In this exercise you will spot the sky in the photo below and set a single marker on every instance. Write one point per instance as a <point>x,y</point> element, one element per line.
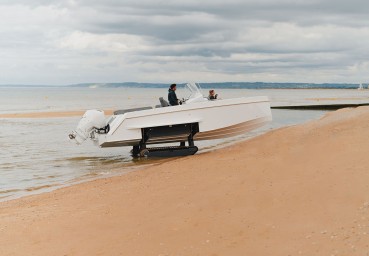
<point>56,42</point>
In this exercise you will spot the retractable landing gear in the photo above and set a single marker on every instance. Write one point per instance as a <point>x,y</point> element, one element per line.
<point>171,151</point>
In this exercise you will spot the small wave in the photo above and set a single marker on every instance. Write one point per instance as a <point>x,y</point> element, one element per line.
<point>8,191</point>
<point>3,198</point>
<point>107,160</point>
<point>42,177</point>
<point>41,187</point>
<point>99,158</point>
<point>79,158</point>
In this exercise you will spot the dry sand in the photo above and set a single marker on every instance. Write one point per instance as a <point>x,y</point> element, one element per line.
<point>50,114</point>
<point>301,190</point>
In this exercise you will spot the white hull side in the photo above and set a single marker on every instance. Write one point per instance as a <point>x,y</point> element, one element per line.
<point>233,130</point>
<point>216,119</point>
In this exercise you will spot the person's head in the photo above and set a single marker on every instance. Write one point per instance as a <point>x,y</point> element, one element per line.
<point>173,87</point>
<point>211,92</point>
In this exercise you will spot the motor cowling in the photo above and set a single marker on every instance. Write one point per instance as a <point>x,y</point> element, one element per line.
<point>92,120</point>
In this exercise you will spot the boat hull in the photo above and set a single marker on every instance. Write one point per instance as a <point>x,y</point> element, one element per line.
<point>214,119</point>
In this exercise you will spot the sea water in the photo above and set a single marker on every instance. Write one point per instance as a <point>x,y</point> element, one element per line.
<point>36,154</point>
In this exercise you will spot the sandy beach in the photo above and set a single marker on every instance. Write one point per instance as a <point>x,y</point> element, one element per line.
<point>50,114</point>
<point>299,190</point>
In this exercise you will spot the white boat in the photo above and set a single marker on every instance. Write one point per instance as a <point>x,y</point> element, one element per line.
<point>198,118</point>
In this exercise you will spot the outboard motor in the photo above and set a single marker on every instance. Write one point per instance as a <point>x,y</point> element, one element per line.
<point>91,122</point>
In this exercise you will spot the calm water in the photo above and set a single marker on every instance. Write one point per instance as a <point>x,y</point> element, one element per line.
<point>36,155</point>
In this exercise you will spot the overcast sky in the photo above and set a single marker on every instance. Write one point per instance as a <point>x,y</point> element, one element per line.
<point>74,41</point>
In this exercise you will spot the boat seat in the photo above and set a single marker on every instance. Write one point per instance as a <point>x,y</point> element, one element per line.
<point>163,102</point>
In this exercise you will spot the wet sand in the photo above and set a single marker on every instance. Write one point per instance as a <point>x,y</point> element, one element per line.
<point>300,190</point>
<point>50,114</point>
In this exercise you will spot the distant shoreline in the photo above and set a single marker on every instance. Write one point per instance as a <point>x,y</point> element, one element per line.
<point>220,85</point>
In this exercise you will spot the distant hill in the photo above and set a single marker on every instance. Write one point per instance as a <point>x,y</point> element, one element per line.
<point>227,85</point>
<point>222,85</point>
<point>125,84</point>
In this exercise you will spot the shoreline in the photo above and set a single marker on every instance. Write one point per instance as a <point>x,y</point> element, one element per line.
<point>48,188</point>
<point>299,190</point>
<point>50,114</point>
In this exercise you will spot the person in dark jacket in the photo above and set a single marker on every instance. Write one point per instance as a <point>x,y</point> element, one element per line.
<point>172,96</point>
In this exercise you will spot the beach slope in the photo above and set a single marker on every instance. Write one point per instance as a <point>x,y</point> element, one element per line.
<point>300,190</point>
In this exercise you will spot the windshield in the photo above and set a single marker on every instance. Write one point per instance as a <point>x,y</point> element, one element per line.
<point>194,89</point>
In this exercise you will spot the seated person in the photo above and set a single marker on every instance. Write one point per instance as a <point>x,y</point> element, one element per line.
<point>212,95</point>
<point>172,97</point>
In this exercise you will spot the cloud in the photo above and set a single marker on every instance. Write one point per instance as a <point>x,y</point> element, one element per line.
<point>102,42</point>
<point>60,42</point>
